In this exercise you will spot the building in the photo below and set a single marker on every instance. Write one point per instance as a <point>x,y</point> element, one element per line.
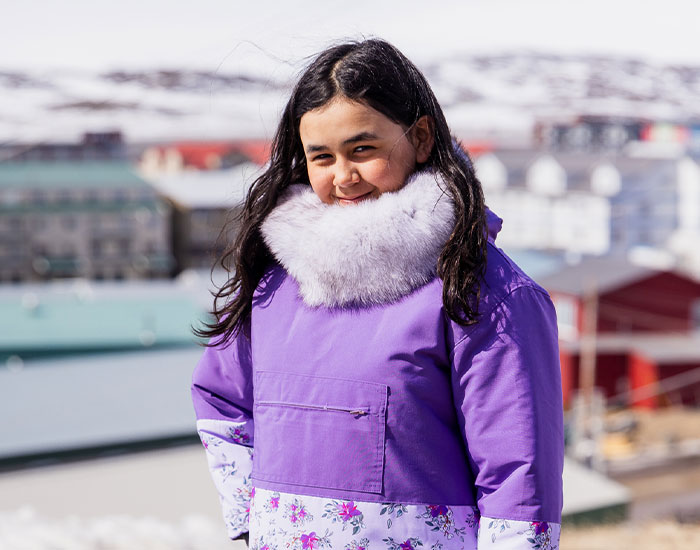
<point>94,219</point>
<point>202,155</point>
<point>204,205</point>
<point>93,146</point>
<point>92,365</point>
<point>647,330</point>
<point>586,204</point>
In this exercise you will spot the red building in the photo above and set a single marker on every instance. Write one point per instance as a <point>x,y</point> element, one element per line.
<point>644,325</point>
<point>203,155</point>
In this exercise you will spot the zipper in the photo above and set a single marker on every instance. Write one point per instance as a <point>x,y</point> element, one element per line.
<point>354,412</point>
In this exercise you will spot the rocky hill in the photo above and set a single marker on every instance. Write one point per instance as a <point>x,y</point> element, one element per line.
<point>495,96</point>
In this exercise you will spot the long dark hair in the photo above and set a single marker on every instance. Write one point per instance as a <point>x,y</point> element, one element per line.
<point>375,73</point>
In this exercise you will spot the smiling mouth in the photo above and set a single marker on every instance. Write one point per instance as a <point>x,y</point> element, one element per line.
<point>354,200</point>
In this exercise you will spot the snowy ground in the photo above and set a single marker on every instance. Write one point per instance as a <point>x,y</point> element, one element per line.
<point>162,500</point>
<point>24,529</point>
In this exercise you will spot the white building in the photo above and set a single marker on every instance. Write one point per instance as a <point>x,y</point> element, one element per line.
<point>591,204</point>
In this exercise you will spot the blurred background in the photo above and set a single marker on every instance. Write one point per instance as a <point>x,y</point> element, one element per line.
<point>130,131</point>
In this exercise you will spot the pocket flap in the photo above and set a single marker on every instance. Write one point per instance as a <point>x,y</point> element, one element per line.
<point>319,432</point>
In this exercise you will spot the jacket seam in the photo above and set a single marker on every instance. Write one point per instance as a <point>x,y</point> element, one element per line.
<point>383,501</point>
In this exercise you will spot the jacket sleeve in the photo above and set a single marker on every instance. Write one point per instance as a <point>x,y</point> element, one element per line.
<point>222,393</point>
<point>506,384</point>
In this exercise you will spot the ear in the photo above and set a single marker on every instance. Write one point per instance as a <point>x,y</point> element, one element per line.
<point>422,135</point>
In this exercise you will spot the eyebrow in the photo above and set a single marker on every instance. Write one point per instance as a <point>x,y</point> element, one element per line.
<point>363,136</point>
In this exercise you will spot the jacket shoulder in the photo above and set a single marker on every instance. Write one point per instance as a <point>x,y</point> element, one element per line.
<point>503,282</point>
<point>501,277</point>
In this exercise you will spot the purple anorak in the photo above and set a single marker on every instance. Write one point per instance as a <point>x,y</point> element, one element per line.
<point>389,425</point>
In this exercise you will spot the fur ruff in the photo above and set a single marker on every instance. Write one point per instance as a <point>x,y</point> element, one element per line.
<point>374,252</point>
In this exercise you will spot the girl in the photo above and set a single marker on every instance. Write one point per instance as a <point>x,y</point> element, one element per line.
<point>401,372</point>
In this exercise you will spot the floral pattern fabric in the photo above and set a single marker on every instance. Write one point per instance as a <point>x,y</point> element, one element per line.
<point>230,463</point>
<point>506,534</point>
<point>282,521</point>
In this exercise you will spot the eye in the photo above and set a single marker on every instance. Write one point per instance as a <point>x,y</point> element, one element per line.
<point>363,148</point>
<point>322,156</point>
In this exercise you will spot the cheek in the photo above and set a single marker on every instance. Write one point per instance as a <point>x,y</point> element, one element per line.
<point>322,185</point>
<point>387,175</point>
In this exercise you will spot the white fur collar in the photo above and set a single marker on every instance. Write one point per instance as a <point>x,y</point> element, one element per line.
<point>374,252</point>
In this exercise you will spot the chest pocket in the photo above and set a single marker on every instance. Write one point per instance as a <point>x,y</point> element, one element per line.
<point>319,432</point>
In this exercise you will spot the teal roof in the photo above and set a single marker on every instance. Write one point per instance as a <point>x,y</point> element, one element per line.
<point>35,324</point>
<point>75,207</point>
<point>69,175</point>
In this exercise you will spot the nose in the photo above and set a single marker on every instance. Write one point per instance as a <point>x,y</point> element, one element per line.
<point>346,174</point>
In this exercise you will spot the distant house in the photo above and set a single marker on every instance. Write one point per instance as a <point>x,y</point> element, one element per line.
<point>548,202</point>
<point>93,146</point>
<point>94,219</point>
<point>647,330</point>
<point>591,205</point>
<point>202,155</point>
<point>203,204</point>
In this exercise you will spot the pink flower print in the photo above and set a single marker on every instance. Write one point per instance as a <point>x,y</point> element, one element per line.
<point>296,513</point>
<point>406,545</point>
<point>239,436</point>
<point>274,502</point>
<point>437,510</point>
<point>348,510</point>
<point>265,547</point>
<point>540,527</point>
<point>310,541</point>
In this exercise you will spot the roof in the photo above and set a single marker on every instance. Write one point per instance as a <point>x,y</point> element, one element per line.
<point>579,166</point>
<point>208,189</point>
<point>69,175</point>
<point>604,273</point>
<point>517,163</point>
<point>586,490</point>
<point>94,400</point>
<point>196,153</point>
<point>535,263</point>
<point>662,348</point>
<point>80,316</point>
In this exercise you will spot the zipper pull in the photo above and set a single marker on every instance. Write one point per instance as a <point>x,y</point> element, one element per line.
<point>358,413</point>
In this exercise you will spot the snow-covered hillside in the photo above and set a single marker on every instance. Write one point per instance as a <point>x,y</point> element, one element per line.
<point>496,96</point>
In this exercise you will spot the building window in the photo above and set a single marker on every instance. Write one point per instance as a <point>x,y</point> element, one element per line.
<point>39,223</point>
<point>121,196</point>
<point>64,196</point>
<point>68,222</point>
<point>38,196</point>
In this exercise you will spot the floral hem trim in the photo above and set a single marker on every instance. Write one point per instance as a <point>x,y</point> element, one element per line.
<point>230,464</point>
<point>508,534</point>
<point>283,521</point>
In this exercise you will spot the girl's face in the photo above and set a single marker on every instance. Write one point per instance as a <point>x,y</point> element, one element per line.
<point>355,153</point>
